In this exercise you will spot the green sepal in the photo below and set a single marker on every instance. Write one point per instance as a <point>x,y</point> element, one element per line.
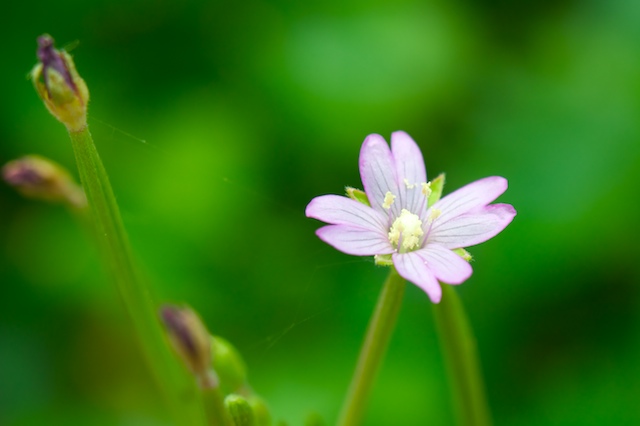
<point>383,260</point>
<point>228,365</point>
<point>436,190</point>
<point>239,410</point>
<point>358,195</point>
<point>463,254</point>
<point>59,91</point>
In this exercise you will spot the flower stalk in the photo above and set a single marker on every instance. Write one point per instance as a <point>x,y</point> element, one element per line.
<point>375,345</point>
<point>460,354</point>
<point>65,95</point>
<point>117,256</point>
<point>193,343</point>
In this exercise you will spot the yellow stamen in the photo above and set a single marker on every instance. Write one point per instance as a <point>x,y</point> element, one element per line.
<point>406,231</point>
<point>435,213</point>
<point>408,185</point>
<point>389,198</point>
<point>426,189</point>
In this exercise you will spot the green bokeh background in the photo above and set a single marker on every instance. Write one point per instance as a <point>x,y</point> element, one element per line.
<point>219,121</point>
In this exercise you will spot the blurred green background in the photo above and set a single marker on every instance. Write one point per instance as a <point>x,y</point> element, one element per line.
<point>219,121</point>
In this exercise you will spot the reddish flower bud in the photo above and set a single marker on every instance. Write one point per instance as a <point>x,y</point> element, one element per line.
<point>58,84</point>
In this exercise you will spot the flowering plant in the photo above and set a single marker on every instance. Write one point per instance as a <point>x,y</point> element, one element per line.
<point>402,217</point>
<point>399,218</point>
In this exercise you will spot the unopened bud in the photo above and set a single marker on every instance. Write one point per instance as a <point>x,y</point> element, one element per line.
<point>58,84</point>
<point>239,410</point>
<point>229,366</point>
<point>42,179</point>
<point>191,340</point>
<point>260,411</point>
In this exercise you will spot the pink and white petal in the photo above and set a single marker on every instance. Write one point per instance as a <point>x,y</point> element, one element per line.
<point>472,196</point>
<point>410,171</point>
<point>408,158</point>
<point>378,172</point>
<point>355,241</point>
<point>339,210</point>
<point>472,228</point>
<point>411,267</point>
<point>447,266</point>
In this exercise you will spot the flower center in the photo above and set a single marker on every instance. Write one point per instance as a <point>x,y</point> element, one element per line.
<point>406,231</point>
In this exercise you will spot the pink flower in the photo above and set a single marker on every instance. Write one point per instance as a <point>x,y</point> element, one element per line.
<point>419,238</point>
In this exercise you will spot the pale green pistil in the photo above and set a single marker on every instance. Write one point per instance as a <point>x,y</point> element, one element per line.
<point>406,231</point>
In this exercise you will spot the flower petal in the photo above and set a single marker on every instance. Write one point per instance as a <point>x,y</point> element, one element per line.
<point>471,228</point>
<point>355,241</point>
<point>378,172</point>
<point>410,172</point>
<point>408,158</point>
<point>338,210</point>
<point>469,197</point>
<point>412,268</point>
<point>447,266</point>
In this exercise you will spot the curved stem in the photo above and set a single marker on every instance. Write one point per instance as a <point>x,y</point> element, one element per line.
<point>178,388</point>
<point>461,358</point>
<point>380,329</point>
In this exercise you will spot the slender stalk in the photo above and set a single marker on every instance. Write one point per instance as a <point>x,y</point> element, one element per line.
<point>461,358</point>
<point>381,327</point>
<point>217,414</point>
<point>178,388</point>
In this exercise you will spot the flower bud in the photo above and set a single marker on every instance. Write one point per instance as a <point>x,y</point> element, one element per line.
<point>37,177</point>
<point>229,366</point>
<point>260,411</point>
<point>191,340</point>
<point>58,84</point>
<point>239,410</point>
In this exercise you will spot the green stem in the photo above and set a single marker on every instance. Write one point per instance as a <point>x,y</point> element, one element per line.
<point>461,358</point>
<point>177,387</point>
<point>217,413</point>
<point>381,327</point>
